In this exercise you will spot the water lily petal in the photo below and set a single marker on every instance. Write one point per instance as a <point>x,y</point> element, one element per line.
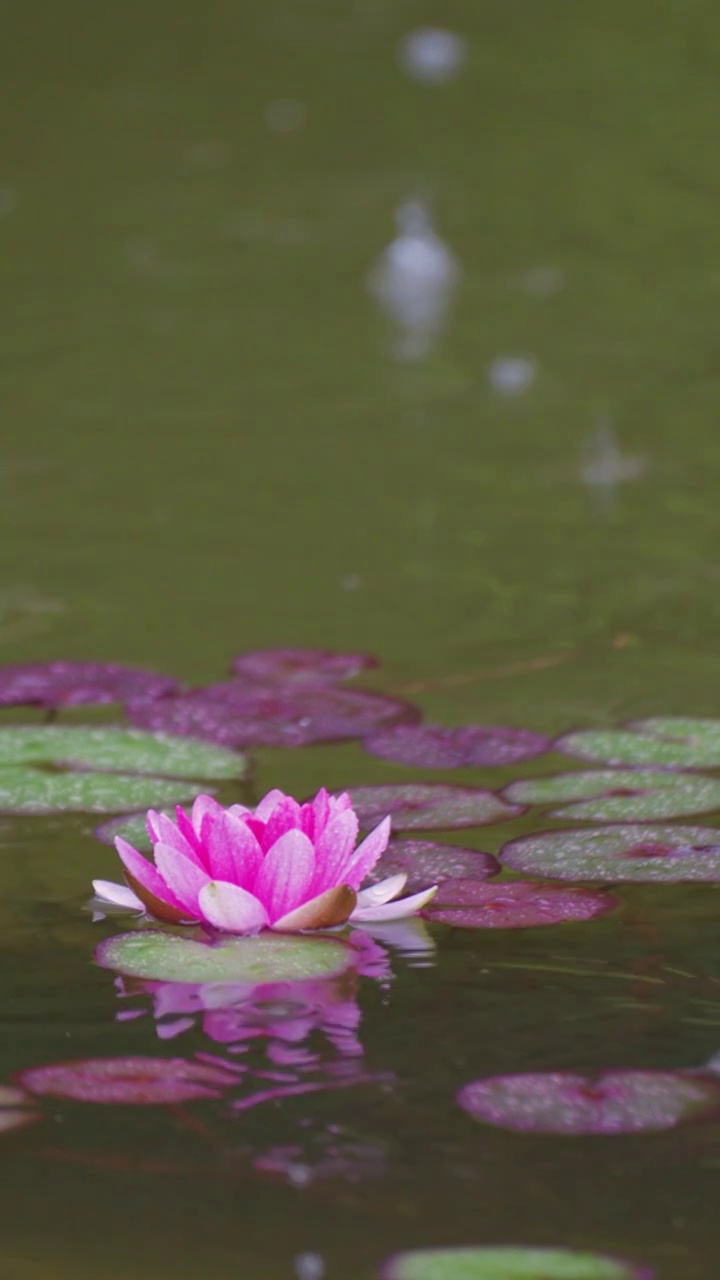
<point>284,817</point>
<point>321,810</point>
<point>266,806</point>
<point>184,877</point>
<point>377,894</point>
<point>333,851</point>
<point>226,906</point>
<point>234,854</point>
<point>168,833</point>
<point>202,807</point>
<point>145,874</point>
<point>286,874</point>
<point>368,853</point>
<point>117,894</point>
<point>394,910</point>
<point>325,911</point>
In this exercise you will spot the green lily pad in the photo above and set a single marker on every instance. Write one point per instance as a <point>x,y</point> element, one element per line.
<point>679,742</point>
<point>33,791</point>
<point>110,749</point>
<point>620,795</point>
<point>632,852</point>
<point>507,1263</point>
<point>150,953</point>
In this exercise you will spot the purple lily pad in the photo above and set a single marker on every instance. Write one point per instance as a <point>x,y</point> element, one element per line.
<point>632,852</point>
<point>508,1262</point>
<point>429,806</point>
<point>137,1080</point>
<point>233,714</point>
<point>470,904</point>
<point>425,862</point>
<point>69,684</point>
<point>292,668</point>
<point>433,746</point>
<point>620,795</point>
<point>608,1103</point>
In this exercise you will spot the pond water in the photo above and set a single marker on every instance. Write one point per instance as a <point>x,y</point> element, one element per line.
<point>213,441</point>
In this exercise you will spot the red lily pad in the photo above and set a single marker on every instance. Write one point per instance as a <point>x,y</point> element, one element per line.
<point>470,904</point>
<point>506,1262</point>
<point>425,862</point>
<point>623,853</point>
<point>292,668</point>
<point>680,742</point>
<point>138,1081</point>
<point>427,806</point>
<point>608,1103</point>
<point>433,746</point>
<point>234,715</point>
<point>620,795</point>
<point>68,684</point>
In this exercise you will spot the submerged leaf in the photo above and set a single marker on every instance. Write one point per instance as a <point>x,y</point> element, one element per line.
<point>118,750</point>
<point>506,1262</point>
<point>138,1081</point>
<point>678,742</point>
<point>63,684</point>
<point>469,904</point>
<point>425,862</point>
<point>238,715</point>
<point>291,668</point>
<point>607,1103</point>
<point>620,795</point>
<point>425,806</point>
<point>433,746</point>
<point>265,958</point>
<point>622,853</point>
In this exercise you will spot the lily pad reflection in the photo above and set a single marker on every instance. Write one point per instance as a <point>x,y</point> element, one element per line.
<point>622,853</point>
<point>509,1263</point>
<point>608,1103</point>
<point>138,1081</point>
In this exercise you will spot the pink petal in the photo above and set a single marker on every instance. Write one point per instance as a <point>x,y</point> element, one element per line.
<point>394,910</point>
<point>145,873</point>
<point>321,810</point>
<point>266,806</point>
<point>186,828</point>
<point>328,909</point>
<point>118,894</point>
<point>377,894</point>
<point>234,854</point>
<point>284,817</point>
<point>333,851</point>
<point>150,823</point>
<point>228,907</point>
<point>184,877</point>
<point>307,821</point>
<point>286,874</point>
<point>202,807</point>
<point>368,853</point>
<point>169,834</point>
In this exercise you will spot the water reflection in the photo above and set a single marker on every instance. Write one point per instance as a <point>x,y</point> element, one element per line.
<point>414,282</point>
<point>605,467</point>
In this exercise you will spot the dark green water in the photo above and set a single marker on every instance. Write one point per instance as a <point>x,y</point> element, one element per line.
<point>206,449</point>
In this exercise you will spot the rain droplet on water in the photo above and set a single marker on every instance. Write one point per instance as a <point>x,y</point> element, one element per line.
<point>414,281</point>
<point>431,55</point>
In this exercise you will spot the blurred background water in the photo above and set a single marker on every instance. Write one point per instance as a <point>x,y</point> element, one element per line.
<point>316,331</point>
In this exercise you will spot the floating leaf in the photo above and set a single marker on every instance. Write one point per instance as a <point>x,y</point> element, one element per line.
<point>433,746</point>
<point>149,953</point>
<point>669,741</point>
<point>236,715</point>
<point>509,1263</point>
<point>33,791</point>
<point>132,827</point>
<point>620,795</point>
<point>118,750</point>
<point>64,684</point>
<point>469,904</point>
<point>623,853</point>
<point>425,806</point>
<point>301,667</point>
<point>137,1080</point>
<point>426,863</point>
<point>607,1103</point>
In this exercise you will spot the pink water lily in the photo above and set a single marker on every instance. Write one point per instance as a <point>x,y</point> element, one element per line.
<point>282,866</point>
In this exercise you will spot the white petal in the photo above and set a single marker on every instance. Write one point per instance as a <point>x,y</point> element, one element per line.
<point>376,894</point>
<point>226,906</point>
<point>394,910</point>
<point>118,894</point>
